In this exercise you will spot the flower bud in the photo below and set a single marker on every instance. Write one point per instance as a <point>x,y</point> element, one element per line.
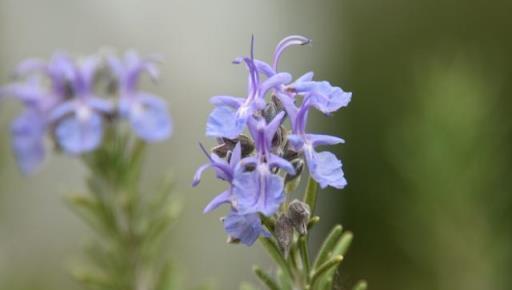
<point>298,214</point>
<point>284,234</point>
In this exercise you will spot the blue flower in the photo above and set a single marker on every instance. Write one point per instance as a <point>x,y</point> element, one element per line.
<point>147,114</point>
<point>59,70</point>
<point>27,133</point>
<point>79,121</point>
<point>286,43</point>
<point>256,187</point>
<point>324,167</point>
<point>28,130</point>
<point>231,114</point>
<point>322,95</point>
<point>224,171</point>
<point>244,228</point>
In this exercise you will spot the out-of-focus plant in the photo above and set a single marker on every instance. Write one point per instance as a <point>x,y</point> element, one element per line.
<point>92,109</point>
<point>264,168</point>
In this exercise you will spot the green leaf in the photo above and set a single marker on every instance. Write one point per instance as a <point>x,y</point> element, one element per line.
<point>328,246</point>
<point>323,270</point>
<point>283,281</point>
<point>274,252</point>
<point>343,244</point>
<point>265,278</point>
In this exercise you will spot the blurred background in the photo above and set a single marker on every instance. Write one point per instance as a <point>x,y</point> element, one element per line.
<point>428,132</point>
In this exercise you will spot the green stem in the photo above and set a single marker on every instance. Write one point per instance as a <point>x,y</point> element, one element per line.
<point>328,246</point>
<point>310,194</point>
<point>274,252</point>
<point>303,246</point>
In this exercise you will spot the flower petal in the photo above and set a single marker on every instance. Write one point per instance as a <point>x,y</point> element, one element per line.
<point>77,136</point>
<point>257,191</point>
<point>281,163</point>
<point>284,44</point>
<point>274,81</point>
<point>199,172</point>
<point>246,228</point>
<point>27,141</point>
<point>326,169</point>
<point>318,139</point>
<point>219,200</point>
<point>233,102</point>
<point>149,118</point>
<point>224,122</point>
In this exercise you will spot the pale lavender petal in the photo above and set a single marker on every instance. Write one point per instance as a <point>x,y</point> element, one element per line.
<point>289,106</point>
<point>27,141</point>
<point>257,191</point>
<point>275,81</point>
<point>264,68</point>
<point>76,135</point>
<point>307,77</point>
<point>150,119</point>
<point>272,127</point>
<point>63,110</point>
<point>199,172</point>
<point>219,200</point>
<point>284,44</point>
<point>297,141</point>
<point>246,228</point>
<point>101,105</point>
<point>284,164</point>
<point>233,102</point>
<point>224,122</point>
<point>326,169</point>
<point>236,155</point>
<point>318,139</point>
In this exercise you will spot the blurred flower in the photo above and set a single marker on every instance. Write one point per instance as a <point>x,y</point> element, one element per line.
<point>147,113</point>
<point>60,101</point>
<point>79,121</point>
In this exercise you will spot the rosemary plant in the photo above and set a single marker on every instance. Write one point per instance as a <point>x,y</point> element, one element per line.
<point>92,109</point>
<point>264,168</point>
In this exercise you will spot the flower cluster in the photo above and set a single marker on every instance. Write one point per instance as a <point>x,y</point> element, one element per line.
<point>257,167</point>
<point>63,98</point>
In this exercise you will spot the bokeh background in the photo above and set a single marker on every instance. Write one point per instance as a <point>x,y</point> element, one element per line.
<point>428,153</point>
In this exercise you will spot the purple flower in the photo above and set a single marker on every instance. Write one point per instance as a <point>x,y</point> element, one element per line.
<point>59,70</point>
<point>245,228</point>
<point>284,44</point>
<point>28,130</point>
<point>322,95</point>
<point>79,126</point>
<point>231,114</point>
<point>256,187</point>
<point>224,171</point>
<point>147,114</point>
<point>27,133</point>
<point>324,167</point>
